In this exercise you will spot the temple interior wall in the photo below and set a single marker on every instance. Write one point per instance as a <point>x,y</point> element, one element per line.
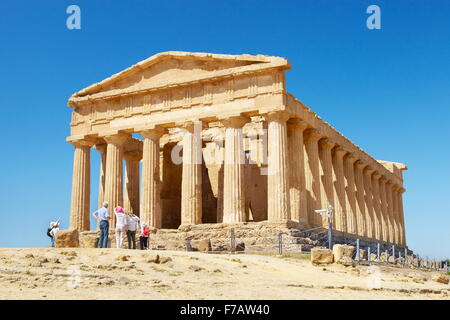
<point>255,180</point>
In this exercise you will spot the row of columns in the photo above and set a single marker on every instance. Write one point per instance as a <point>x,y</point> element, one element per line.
<point>318,172</point>
<point>366,203</point>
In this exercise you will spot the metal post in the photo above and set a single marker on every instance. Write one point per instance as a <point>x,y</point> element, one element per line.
<point>393,252</point>
<point>427,263</point>
<point>406,257</point>
<point>280,244</point>
<point>357,250</point>
<point>188,245</point>
<point>378,252</point>
<point>330,233</point>
<point>232,241</point>
<point>368,254</point>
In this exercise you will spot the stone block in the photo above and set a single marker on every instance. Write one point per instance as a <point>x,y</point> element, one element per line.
<point>342,250</point>
<point>203,245</point>
<point>67,239</point>
<point>321,256</point>
<point>409,260</point>
<point>346,261</point>
<point>362,254</point>
<point>440,277</point>
<point>89,239</point>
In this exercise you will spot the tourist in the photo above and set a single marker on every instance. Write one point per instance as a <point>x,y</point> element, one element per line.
<point>145,233</point>
<point>51,232</point>
<point>121,226</point>
<point>102,217</point>
<point>133,225</point>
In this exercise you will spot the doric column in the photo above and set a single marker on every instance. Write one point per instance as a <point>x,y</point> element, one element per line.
<point>360,207</point>
<point>79,206</point>
<point>340,216</point>
<point>101,148</point>
<point>349,173</point>
<point>297,188</point>
<point>131,191</point>
<point>390,205</point>
<point>326,175</point>
<point>233,192</point>
<point>191,185</point>
<point>402,217</point>
<point>378,214</point>
<point>277,171</point>
<point>114,172</point>
<point>312,175</point>
<point>384,208</point>
<point>397,227</point>
<point>151,184</point>
<point>368,196</point>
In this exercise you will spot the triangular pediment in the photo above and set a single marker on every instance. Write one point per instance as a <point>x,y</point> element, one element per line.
<point>174,68</point>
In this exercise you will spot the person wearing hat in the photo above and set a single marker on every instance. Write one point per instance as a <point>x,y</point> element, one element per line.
<point>51,232</point>
<point>102,217</point>
<point>121,226</point>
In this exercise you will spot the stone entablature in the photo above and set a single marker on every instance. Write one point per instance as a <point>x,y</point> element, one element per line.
<point>392,170</point>
<point>235,90</point>
<point>220,109</point>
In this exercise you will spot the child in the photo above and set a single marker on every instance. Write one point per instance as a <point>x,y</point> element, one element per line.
<point>145,233</point>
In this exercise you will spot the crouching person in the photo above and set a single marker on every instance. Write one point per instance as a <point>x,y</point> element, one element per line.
<point>145,233</point>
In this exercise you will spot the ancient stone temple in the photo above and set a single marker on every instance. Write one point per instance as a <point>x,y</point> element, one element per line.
<point>197,138</point>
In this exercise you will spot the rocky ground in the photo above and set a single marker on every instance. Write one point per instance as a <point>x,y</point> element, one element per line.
<point>48,273</point>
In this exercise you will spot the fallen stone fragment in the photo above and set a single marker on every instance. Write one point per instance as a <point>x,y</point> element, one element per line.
<point>163,260</point>
<point>342,250</point>
<point>441,278</point>
<point>153,258</point>
<point>195,268</point>
<point>321,256</point>
<point>123,258</point>
<point>346,261</point>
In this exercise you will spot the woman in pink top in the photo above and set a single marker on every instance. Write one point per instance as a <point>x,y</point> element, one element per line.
<point>121,226</point>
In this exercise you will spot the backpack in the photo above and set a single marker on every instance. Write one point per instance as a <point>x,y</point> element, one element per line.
<point>48,232</point>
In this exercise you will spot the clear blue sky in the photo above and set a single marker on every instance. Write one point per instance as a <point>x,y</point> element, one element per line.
<point>387,90</point>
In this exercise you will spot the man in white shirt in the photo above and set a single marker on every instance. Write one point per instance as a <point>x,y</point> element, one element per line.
<point>133,225</point>
<point>102,217</point>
